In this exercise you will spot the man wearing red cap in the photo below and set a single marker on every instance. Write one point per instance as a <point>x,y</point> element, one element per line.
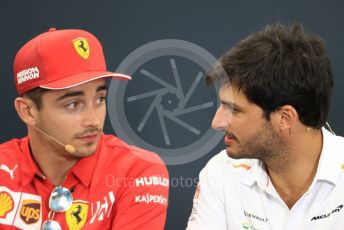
<point>67,174</point>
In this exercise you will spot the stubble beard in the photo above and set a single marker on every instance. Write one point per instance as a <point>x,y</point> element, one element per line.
<point>265,145</point>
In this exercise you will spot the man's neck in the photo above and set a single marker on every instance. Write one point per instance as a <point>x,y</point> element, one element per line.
<point>51,160</point>
<point>295,177</point>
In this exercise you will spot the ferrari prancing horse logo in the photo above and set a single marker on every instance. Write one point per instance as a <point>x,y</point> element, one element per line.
<point>82,48</point>
<point>77,214</point>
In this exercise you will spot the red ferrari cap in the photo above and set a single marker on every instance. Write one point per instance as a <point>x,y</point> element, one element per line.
<point>60,59</point>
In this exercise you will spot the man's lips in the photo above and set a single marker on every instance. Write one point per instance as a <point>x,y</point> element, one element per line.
<point>229,139</point>
<point>89,137</point>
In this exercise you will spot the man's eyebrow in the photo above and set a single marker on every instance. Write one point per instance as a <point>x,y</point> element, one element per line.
<point>70,94</point>
<point>100,88</point>
<point>231,105</point>
<point>79,93</point>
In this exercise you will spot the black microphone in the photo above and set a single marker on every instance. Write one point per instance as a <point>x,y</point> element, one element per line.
<point>72,189</point>
<point>68,147</point>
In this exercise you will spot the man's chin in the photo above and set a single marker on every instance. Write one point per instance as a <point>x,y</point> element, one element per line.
<point>85,151</point>
<point>233,155</point>
<point>237,154</point>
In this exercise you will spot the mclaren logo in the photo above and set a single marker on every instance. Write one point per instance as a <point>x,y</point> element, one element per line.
<point>82,48</point>
<point>76,216</point>
<point>328,214</point>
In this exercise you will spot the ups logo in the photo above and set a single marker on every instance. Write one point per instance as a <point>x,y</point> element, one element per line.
<point>30,211</point>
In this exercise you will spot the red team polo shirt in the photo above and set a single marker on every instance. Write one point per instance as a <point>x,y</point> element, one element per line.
<point>115,188</point>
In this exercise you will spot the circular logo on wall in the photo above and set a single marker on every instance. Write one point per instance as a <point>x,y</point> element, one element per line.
<point>167,106</point>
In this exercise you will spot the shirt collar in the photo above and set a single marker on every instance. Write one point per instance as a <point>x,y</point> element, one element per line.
<point>83,169</point>
<point>256,175</point>
<point>28,166</point>
<point>330,164</point>
<point>331,158</point>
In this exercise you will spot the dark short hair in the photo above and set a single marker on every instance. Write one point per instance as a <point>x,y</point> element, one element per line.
<point>278,66</point>
<point>36,96</point>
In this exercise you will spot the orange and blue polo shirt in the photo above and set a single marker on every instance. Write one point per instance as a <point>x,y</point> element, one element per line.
<point>118,187</point>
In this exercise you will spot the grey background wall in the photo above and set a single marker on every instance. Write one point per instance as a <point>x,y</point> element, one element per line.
<point>123,26</point>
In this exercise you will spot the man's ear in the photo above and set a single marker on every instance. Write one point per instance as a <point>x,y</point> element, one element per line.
<point>26,110</point>
<point>285,117</point>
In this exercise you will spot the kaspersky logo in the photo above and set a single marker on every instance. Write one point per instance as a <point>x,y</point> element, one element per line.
<point>81,47</point>
<point>30,211</point>
<point>6,204</point>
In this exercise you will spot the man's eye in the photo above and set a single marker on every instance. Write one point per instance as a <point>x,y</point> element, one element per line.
<point>230,108</point>
<point>72,105</point>
<point>234,110</point>
<point>100,99</point>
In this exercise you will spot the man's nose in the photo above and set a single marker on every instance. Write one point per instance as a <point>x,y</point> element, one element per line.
<point>92,118</point>
<point>220,120</point>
